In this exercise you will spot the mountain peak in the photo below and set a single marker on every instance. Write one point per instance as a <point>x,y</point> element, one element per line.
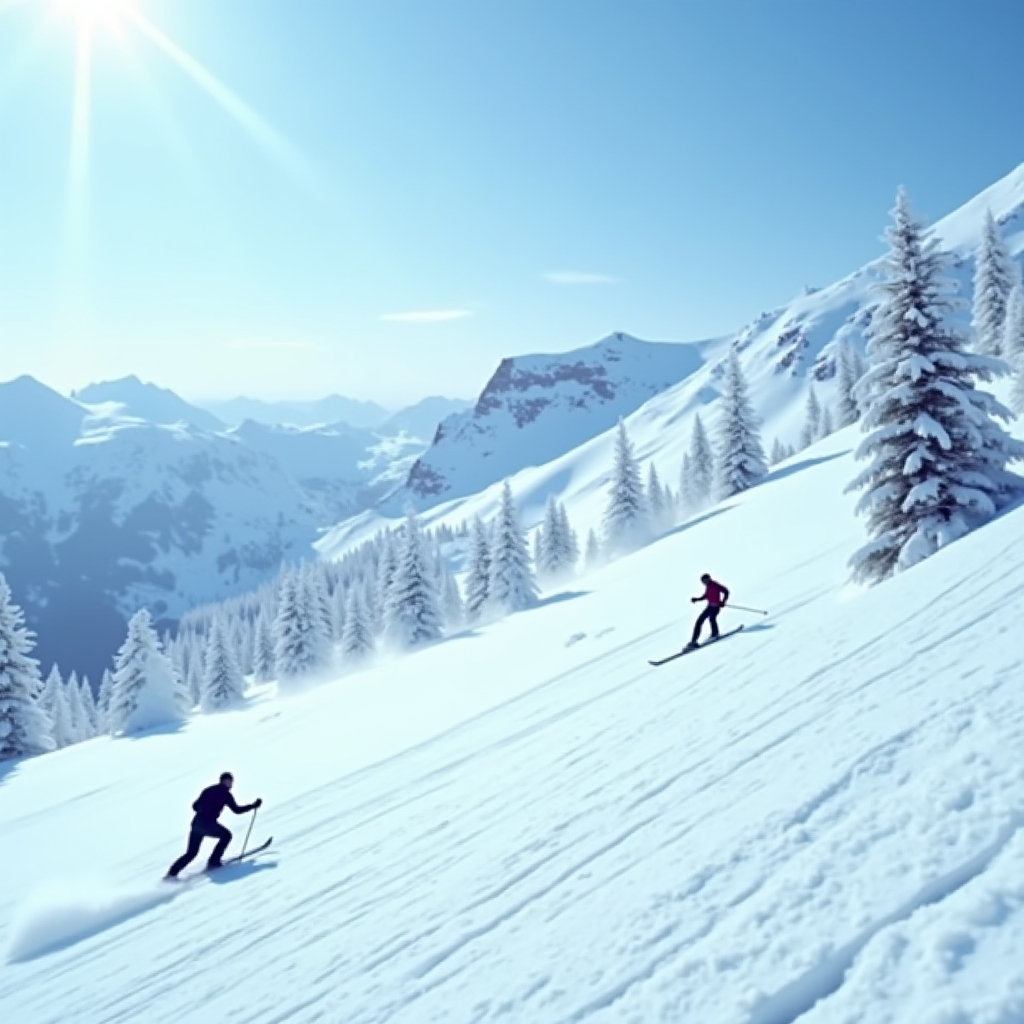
<point>146,401</point>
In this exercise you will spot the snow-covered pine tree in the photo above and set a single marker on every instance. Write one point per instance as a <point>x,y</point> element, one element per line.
<point>558,550</point>
<point>626,517</point>
<point>317,600</point>
<point>412,616</point>
<point>298,641</point>
<point>811,430</point>
<point>223,682</point>
<point>1013,345</point>
<point>263,663</point>
<point>357,639</point>
<point>25,729</point>
<point>825,423</point>
<point>656,503</point>
<point>698,476</point>
<point>79,717</point>
<point>778,453</point>
<point>994,277</point>
<point>147,692</point>
<point>387,566</point>
<point>846,383</point>
<point>89,704</point>
<point>62,718</point>
<point>593,556</point>
<point>739,457</point>
<point>538,546</point>
<point>478,571</point>
<point>512,585</point>
<point>103,701</point>
<point>937,457</point>
<point>569,539</point>
<point>339,600</point>
<point>451,602</point>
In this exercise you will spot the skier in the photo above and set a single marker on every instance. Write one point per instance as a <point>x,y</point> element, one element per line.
<point>208,807</point>
<point>716,595</point>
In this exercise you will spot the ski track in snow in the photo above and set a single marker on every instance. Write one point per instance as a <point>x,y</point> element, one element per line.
<point>820,822</point>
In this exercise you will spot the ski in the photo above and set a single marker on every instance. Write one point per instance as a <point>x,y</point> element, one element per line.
<point>690,650</point>
<point>193,875</point>
<point>246,855</point>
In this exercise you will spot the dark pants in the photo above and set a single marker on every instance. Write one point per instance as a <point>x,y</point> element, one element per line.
<point>202,830</point>
<point>710,614</point>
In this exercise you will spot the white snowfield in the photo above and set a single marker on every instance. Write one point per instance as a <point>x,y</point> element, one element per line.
<point>819,820</point>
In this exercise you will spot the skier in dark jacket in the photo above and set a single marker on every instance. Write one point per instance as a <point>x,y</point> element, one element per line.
<point>716,594</point>
<point>208,807</point>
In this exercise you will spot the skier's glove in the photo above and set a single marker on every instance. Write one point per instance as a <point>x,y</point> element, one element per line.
<point>694,600</point>
<point>258,803</point>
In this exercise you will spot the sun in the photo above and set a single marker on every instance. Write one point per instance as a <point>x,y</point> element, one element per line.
<point>96,13</point>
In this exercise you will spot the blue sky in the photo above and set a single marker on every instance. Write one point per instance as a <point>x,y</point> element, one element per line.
<point>383,199</point>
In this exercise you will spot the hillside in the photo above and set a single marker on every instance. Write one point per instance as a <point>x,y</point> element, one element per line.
<point>820,820</point>
<point>781,352</point>
<point>538,407</point>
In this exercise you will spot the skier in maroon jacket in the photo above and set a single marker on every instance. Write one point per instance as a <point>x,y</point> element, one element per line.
<point>716,594</point>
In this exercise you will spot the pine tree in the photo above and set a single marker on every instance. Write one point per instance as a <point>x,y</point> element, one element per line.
<point>79,718</point>
<point>263,662</point>
<point>740,461</point>
<point>778,453</point>
<point>103,701</point>
<point>656,503</point>
<point>1013,345</point>
<point>297,637</point>
<point>62,724</point>
<point>223,682</point>
<point>569,539</point>
<point>594,556</point>
<point>697,478</point>
<point>478,572</point>
<point>627,517</point>
<point>825,424</point>
<point>451,602</point>
<point>993,281</point>
<point>847,412</point>
<point>357,640</point>
<point>91,710</point>
<point>147,692</point>
<point>558,552</point>
<point>25,729</point>
<point>512,585</point>
<point>387,566</point>
<point>937,457</point>
<point>811,430</point>
<point>412,616</point>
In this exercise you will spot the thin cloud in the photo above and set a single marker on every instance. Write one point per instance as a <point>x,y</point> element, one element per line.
<point>427,316</point>
<point>578,277</point>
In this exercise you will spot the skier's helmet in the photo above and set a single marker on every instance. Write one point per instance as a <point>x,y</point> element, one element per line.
<point>227,777</point>
<point>706,578</point>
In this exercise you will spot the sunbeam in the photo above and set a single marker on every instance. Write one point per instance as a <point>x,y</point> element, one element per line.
<point>268,138</point>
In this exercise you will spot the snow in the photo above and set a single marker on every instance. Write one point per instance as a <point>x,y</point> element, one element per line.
<point>820,819</point>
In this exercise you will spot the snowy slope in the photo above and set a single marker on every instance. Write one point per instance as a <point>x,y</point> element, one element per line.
<point>820,820</point>
<point>536,408</point>
<point>780,351</point>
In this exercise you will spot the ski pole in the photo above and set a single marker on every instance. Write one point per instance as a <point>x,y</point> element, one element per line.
<point>252,822</point>
<point>744,608</point>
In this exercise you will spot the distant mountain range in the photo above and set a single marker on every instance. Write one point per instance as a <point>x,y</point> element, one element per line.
<point>127,496</point>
